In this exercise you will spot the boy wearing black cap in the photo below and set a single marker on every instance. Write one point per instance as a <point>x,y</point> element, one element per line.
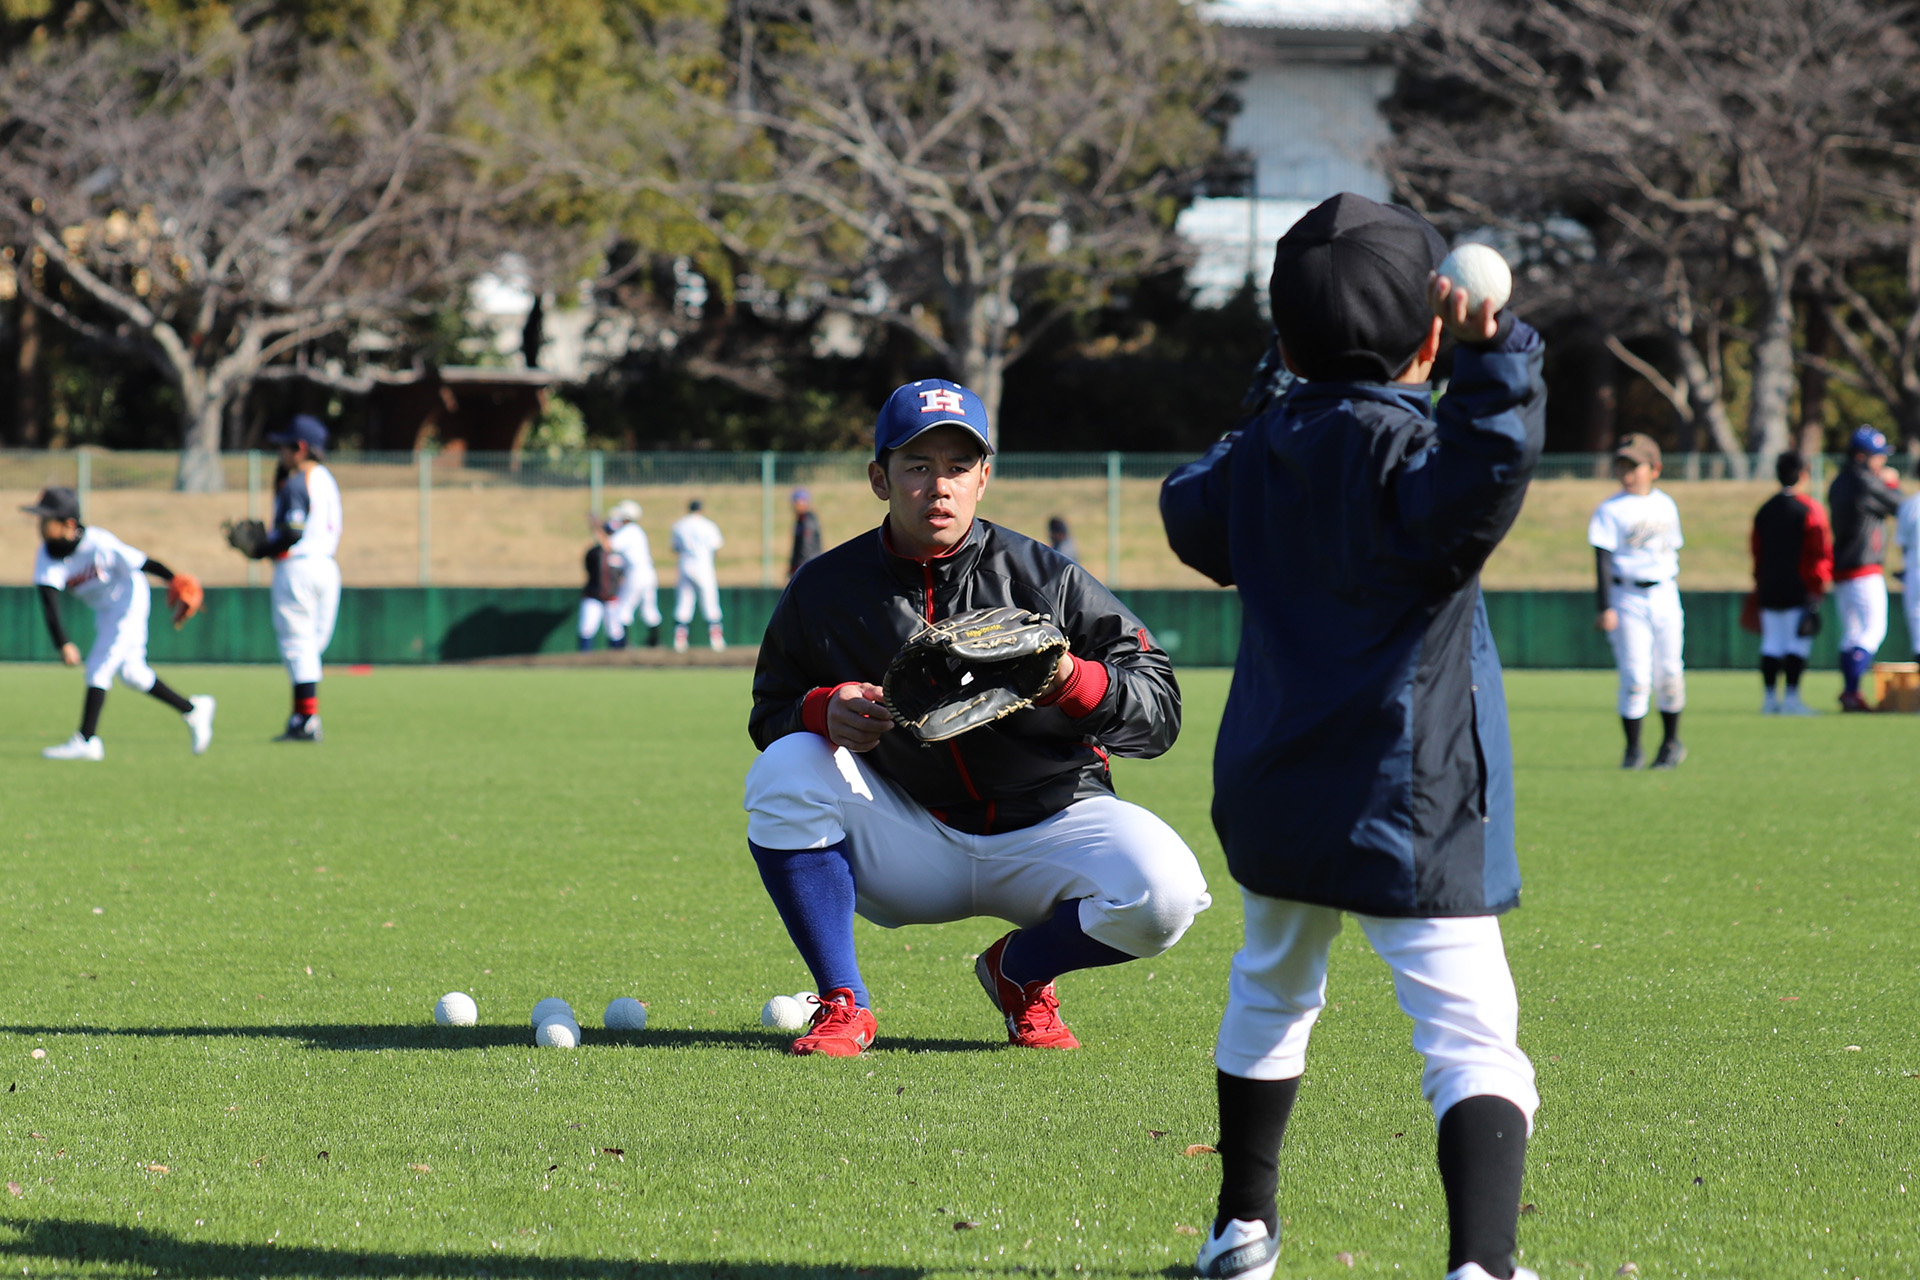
<point>1363,765</point>
<point>110,578</point>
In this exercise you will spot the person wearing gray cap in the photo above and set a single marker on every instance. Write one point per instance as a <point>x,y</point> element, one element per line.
<point>109,577</point>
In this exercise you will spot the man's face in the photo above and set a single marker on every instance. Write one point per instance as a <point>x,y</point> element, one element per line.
<point>292,454</point>
<point>62,531</point>
<point>801,506</point>
<point>931,486</point>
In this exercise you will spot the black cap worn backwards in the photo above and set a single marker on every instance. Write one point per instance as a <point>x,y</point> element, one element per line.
<point>57,503</point>
<point>1349,289</point>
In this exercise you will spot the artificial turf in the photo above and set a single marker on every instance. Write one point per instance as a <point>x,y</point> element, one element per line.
<point>230,962</point>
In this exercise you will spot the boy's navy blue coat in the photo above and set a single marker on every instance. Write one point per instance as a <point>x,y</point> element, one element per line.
<point>1363,760</point>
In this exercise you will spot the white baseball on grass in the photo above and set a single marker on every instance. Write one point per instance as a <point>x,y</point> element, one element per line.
<point>1479,271</point>
<point>551,1007</point>
<point>557,1035</point>
<point>456,1009</point>
<point>785,1013</point>
<point>624,1013</point>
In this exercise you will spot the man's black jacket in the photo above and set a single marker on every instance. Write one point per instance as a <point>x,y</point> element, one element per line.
<point>1860,502</point>
<point>845,614</point>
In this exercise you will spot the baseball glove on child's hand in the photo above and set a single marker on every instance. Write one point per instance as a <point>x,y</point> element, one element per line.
<point>184,597</point>
<point>248,537</point>
<point>970,670</point>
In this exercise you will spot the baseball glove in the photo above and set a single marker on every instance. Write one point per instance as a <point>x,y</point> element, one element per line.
<point>184,598</point>
<point>248,537</point>
<point>971,670</point>
<point>1809,620</point>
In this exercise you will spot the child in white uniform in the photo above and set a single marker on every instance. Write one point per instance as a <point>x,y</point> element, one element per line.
<point>1636,539</point>
<point>109,577</point>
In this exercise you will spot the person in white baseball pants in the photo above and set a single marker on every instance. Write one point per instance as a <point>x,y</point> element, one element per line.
<point>307,522</point>
<point>695,539</point>
<point>1906,531</point>
<point>1636,539</point>
<point>639,583</point>
<point>109,577</point>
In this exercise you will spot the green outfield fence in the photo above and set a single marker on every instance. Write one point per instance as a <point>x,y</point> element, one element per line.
<point>408,625</point>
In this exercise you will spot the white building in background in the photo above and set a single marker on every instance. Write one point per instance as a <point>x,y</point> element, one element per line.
<point>1309,125</point>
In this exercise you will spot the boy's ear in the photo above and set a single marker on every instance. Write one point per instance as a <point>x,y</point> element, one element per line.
<point>1430,349</point>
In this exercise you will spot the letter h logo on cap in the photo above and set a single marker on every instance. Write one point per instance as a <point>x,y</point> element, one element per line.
<point>942,400</point>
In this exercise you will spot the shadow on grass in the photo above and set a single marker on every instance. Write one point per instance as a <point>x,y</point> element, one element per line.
<point>158,1253</point>
<point>376,1039</point>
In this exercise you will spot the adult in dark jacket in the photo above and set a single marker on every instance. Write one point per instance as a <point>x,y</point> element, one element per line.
<point>1017,819</point>
<point>1363,763</point>
<point>1792,547</point>
<point>806,532</point>
<point>1860,499</point>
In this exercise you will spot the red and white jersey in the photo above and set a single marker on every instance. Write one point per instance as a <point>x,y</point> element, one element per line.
<point>103,571</point>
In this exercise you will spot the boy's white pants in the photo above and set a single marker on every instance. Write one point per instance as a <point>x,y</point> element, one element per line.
<point>683,594</point>
<point>1450,975</point>
<point>1646,647</point>
<point>120,645</point>
<point>306,601</point>
<point>1862,605</point>
<point>1780,634</point>
<point>1139,885</point>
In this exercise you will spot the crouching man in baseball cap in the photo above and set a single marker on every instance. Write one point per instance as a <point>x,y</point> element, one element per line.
<point>1363,765</point>
<point>849,813</point>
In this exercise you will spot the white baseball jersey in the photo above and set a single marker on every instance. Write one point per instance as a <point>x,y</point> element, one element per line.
<point>1643,533</point>
<point>629,542</point>
<point>103,572</point>
<point>1906,531</point>
<point>310,503</point>
<point>695,539</point>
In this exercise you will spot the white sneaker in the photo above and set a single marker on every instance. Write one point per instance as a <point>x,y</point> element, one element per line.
<point>717,639</point>
<point>1792,706</point>
<point>1770,707</point>
<point>1243,1252</point>
<point>200,722</point>
<point>1474,1271</point>
<point>679,639</point>
<point>78,748</point>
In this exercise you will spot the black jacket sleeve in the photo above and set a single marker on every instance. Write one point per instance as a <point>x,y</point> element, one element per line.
<point>1194,509</point>
<point>1879,499</point>
<point>1140,714</point>
<point>1602,579</point>
<point>780,684</point>
<point>157,569</point>
<point>50,609</point>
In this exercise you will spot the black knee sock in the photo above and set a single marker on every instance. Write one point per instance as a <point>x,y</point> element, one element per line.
<point>1253,1119</point>
<point>1633,733</point>
<point>90,717</point>
<point>1770,672</point>
<point>1793,665</point>
<point>168,696</point>
<point>1669,727</point>
<point>1483,1153</point>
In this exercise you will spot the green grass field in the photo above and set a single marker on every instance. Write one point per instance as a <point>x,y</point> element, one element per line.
<point>230,962</point>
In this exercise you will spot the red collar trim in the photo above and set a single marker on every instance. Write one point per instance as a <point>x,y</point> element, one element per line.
<point>886,540</point>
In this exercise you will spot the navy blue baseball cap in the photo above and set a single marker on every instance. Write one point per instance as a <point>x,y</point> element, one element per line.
<point>926,404</point>
<point>1868,441</point>
<point>304,427</point>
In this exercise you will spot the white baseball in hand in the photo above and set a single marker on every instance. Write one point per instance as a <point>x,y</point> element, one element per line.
<point>1481,273</point>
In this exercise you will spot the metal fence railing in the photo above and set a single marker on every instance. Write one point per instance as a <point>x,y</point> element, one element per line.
<point>468,518</point>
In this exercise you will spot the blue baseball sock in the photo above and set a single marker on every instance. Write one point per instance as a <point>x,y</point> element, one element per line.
<point>1058,946</point>
<point>1854,663</point>
<point>812,889</point>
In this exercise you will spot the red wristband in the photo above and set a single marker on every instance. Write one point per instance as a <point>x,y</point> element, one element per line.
<point>813,708</point>
<point>1082,690</point>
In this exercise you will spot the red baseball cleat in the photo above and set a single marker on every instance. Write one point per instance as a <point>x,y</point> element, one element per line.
<point>1032,1011</point>
<point>841,1028</point>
